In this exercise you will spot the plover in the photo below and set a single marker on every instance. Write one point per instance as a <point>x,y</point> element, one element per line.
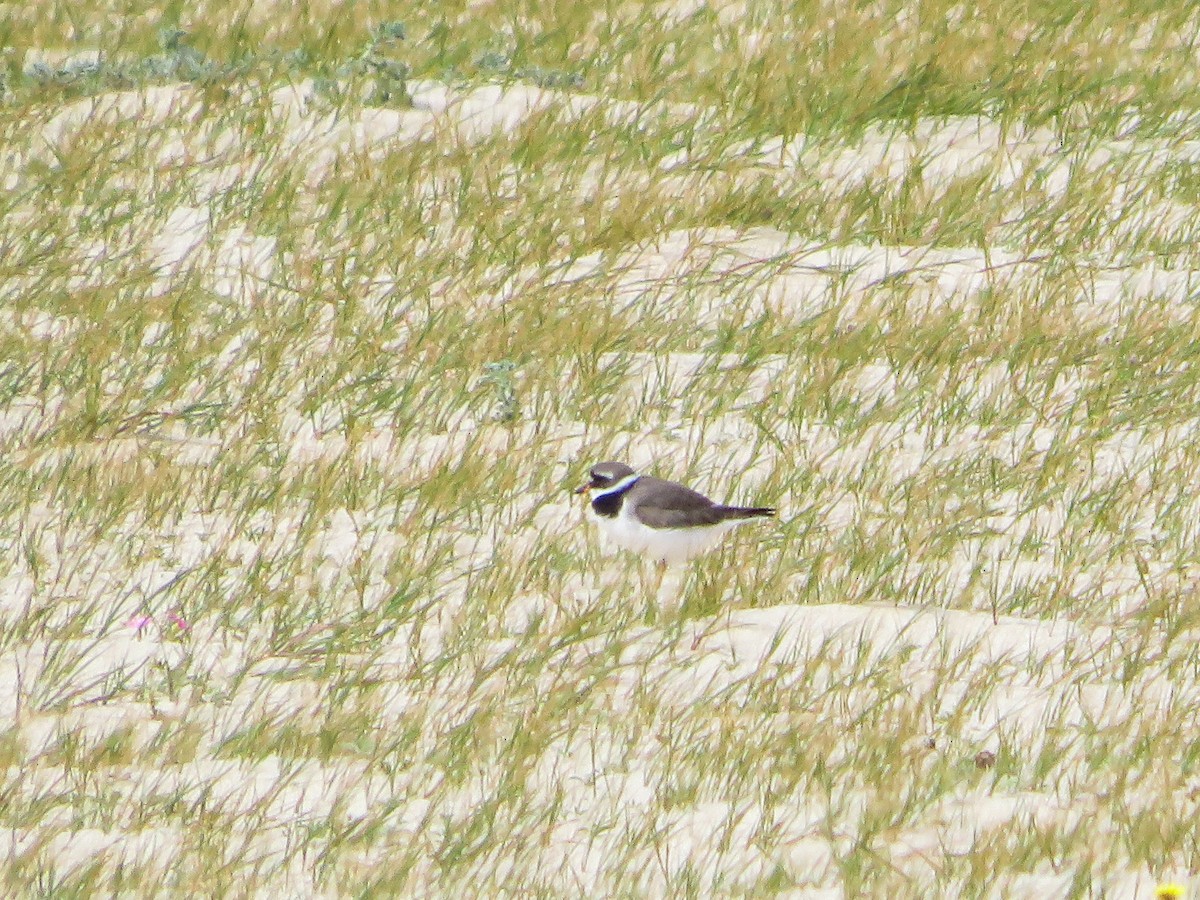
<point>663,521</point>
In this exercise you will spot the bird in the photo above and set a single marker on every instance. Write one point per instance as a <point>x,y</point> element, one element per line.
<point>663,521</point>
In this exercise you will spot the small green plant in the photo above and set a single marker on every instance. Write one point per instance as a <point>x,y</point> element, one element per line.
<point>500,377</point>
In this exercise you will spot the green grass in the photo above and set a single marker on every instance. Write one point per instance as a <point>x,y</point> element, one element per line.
<point>304,372</point>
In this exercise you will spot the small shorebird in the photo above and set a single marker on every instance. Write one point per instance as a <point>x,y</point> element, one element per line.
<point>663,521</point>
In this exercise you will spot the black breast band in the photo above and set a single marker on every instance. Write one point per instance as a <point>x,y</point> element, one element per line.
<point>608,505</point>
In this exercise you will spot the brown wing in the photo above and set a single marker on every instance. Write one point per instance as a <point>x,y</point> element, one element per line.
<point>684,509</point>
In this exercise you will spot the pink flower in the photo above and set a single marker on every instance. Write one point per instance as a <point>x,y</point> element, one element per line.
<point>178,621</point>
<point>138,622</point>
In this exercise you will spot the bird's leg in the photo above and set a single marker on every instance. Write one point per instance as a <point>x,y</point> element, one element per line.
<point>671,588</point>
<point>652,585</point>
<point>659,568</point>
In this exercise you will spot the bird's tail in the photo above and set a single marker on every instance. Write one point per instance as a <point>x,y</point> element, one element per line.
<point>746,512</point>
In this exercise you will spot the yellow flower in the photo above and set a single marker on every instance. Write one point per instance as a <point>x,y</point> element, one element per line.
<point>1169,891</point>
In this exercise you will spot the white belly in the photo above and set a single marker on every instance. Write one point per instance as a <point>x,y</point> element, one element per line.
<point>674,546</point>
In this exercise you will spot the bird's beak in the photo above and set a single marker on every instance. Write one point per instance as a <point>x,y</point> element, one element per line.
<point>583,489</point>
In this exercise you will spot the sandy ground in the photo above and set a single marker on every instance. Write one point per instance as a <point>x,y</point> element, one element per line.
<point>1062,671</point>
